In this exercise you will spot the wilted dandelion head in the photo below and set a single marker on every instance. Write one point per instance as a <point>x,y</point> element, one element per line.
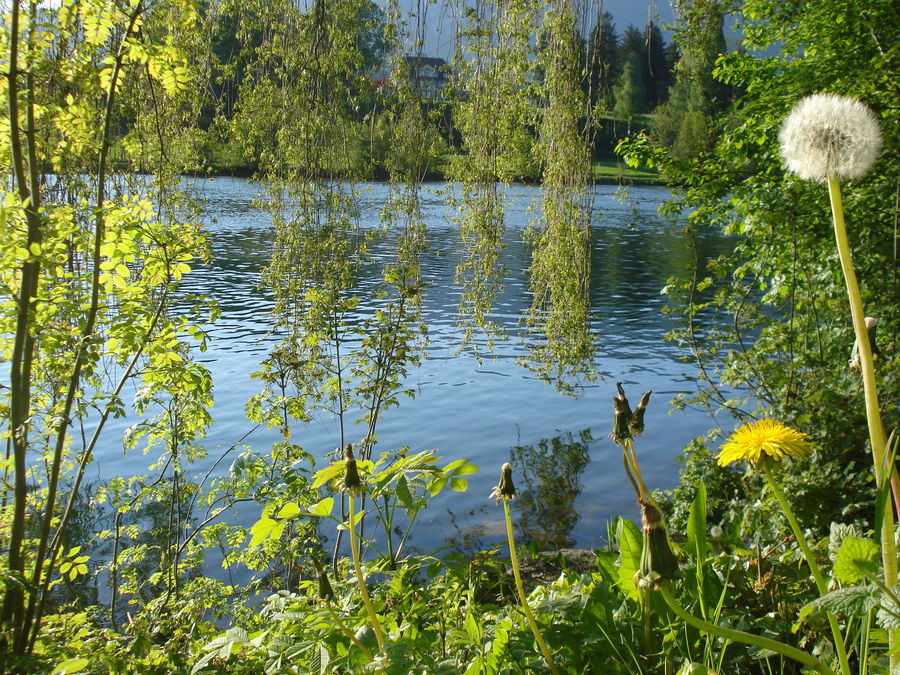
<point>761,440</point>
<point>828,135</point>
<point>504,490</point>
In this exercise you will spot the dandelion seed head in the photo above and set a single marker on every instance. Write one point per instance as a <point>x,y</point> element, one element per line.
<point>829,135</point>
<point>763,439</point>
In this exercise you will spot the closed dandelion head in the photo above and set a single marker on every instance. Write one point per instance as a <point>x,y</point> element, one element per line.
<point>828,135</point>
<point>763,440</point>
<point>505,489</point>
<point>351,481</point>
<point>636,423</point>
<point>621,416</point>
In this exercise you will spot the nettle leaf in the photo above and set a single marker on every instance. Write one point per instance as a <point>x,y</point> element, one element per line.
<point>852,601</point>
<point>855,559</point>
<point>237,634</point>
<point>888,614</point>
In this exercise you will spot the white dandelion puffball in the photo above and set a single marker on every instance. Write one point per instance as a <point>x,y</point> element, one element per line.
<point>828,135</point>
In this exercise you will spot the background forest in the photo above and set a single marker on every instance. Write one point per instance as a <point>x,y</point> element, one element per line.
<point>110,103</point>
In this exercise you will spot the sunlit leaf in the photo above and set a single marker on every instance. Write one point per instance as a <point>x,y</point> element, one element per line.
<point>322,507</point>
<point>856,558</point>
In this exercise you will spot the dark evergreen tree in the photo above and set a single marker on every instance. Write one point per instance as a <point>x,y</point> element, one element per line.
<point>605,63</point>
<point>683,123</point>
<point>656,65</point>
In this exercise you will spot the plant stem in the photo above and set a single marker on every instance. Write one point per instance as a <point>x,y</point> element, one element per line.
<point>346,631</point>
<point>514,559</point>
<point>354,550</point>
<point>821,585</point>
<point>741,636</point>
<point>870,389</point>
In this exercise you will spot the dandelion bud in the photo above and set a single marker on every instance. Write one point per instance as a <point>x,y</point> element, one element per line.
<point>827,135</point>
<point>621,416</point>
<point>623,400</point>
<point>505,488</point>
<point>325,590</point>
<point>636,423</point>
<point>351,473</point>
<point>657,560</point>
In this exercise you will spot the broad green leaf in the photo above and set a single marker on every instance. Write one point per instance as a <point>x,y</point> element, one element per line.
<point>888,614</point>
<point>265,528</point>
<point>289,510</point>
<point>453,465</point>
<point>403,493</point>
<point>322,507</point>
<point>459,484</point>
<point>460,467</point>
<point>856,558</point>
<point>71,666</point>
<point>852,601</point>
<point>330,472</point>
<point>606,563</point>
<point>436,485</point>
<point>236,634</point>
<point>630,545</point>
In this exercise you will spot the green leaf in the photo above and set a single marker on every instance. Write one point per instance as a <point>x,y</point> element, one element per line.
<point>403,493</point>
<point>330,472</point>
<point>630,545</point>
<point>265,528</point>
<point>460,467</point>
<point>237,634</point>
<point>852,601</point>
<point>436,485</point>
<point>322,507</point>
<point>289,510</point>
<point>71,666</point>
<point>606,563</point>
<point>855,559</point>
<point>696,525</point>
<point>459,484</point>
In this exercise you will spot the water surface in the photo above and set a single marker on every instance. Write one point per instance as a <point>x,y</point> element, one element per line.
<point>568,471</point>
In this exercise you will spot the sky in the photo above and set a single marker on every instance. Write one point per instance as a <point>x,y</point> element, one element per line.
<point>438,20</point>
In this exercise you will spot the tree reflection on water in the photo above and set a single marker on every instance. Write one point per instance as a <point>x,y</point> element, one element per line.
<point>548,480</point>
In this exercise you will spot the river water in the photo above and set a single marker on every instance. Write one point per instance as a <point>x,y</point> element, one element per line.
<point>567,470</point>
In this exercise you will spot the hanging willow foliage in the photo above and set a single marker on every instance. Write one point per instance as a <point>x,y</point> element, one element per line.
<point>294,113</point>
<point>558,335</point>
<point>307,106</point>
<point>492,113</point>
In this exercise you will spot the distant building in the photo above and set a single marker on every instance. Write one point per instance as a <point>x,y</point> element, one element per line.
<point>428,75</point>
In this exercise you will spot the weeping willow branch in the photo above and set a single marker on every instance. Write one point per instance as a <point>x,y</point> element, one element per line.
<point>557,327</point>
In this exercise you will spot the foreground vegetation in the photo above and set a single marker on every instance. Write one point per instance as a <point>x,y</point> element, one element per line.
<point>790,564</point>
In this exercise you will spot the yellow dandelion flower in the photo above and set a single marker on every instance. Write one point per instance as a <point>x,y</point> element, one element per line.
<point>762,439</point>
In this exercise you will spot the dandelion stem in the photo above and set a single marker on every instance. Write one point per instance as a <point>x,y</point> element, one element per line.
<point>514,560</point>
<point>346,631</point>
<point>354,550</point>
<point>740,636</point>
<point>870,388</point>
<point>821,585</point>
